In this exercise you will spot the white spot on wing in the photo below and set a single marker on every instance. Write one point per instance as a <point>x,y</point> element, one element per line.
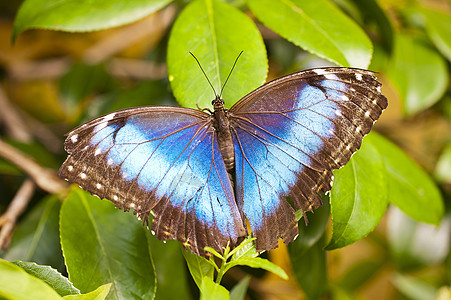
<point>330,76</point>
<point>367,114</point>
<point>115,198</point>
<point>378,88</point>
<point>70,168</point>
<point>109,161</point>
<point>98,151</point>
<point>319,71</point>
<point>99,186</point>
<point>359,77</point>
<point>338,113</point>
<point>83,175</point>
<point>74,138</point>
<point>132,205</point>
<point>358,128</point>
<point>104,122</point>
<point>344,98</point>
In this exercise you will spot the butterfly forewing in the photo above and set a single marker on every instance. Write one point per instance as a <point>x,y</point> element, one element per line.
<point>164,159</point>
<point>289,135</point>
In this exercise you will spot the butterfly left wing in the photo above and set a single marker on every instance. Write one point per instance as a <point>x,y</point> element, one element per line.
<point>164,159</point>
<point>289,135</point>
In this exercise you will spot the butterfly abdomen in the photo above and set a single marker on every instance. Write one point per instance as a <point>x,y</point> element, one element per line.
<point>224,136</point>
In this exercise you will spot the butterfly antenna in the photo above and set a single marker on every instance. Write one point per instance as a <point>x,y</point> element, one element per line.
<point>214,91</point>
<point>230,73</point>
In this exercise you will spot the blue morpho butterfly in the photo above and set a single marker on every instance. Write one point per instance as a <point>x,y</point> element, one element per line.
<point>202,173</point>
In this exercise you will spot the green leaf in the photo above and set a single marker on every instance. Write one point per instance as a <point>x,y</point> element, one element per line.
<point>438,27</point>
<point>310,269</point>
<point>318,27</point>
<point>98,294</point>
<point>415,244</point>
<point>82,15</point>
<point>17,284</point>
<point>168,260</point>
<point>373,13</point>
<point>215,32</point>
<point>409,187</point>
<point>245,249</point>
<point>238,292</point>
<point>199,268</point>
<point>359,197</point>
<point>211,290</point>
<point>418,72</point>
<point>310,235</point>
<point>36,237</point>
<point>258,262</point>
<point>414,288</point>
<point>307,255</point>
<point>443,167</point>
<point>50,276</point>
<point>102,244</point>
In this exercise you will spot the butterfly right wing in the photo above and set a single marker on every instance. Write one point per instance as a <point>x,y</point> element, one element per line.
<point>164,159</point>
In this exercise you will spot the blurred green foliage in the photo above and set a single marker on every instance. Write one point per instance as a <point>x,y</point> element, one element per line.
<point>82,245</point>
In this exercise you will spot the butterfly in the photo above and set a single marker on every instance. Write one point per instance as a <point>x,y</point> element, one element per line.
<point>202,174</point>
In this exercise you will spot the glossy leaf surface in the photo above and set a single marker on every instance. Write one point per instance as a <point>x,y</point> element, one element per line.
<point>215,32</point>
<point>72,15</point>
<point>359,197</point>
<point>318,27</point>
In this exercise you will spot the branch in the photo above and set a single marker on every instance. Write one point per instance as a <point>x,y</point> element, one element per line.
<point>44,178</point>
<point>15,209</point>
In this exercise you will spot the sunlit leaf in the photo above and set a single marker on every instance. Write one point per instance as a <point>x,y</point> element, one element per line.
<point>98,294</point>
<point>17,284</point>
<point>359,196</point>
<point>199,268</point>
<point>215,32</point>
<point>418,72</point>
<point>409,187</point>
<point>211,290</point>
<point>318,27</point>
<point>82,15</point>
<point>258,262</point>
<point>50,276</point>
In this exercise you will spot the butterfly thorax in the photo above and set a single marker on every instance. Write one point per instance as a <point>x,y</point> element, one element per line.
<point>221,124</point>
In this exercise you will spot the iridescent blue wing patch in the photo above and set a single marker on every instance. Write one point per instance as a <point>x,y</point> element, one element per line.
<point>164,159</point>
<point>289,135</point>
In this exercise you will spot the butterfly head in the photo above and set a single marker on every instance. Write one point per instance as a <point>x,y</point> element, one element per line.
<point>218,103</point>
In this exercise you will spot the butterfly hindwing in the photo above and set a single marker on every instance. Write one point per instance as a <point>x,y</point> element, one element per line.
<point>164,159</point>
<point>289,135</point>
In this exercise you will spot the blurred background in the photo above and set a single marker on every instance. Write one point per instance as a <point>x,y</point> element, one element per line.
<point>51,81</point>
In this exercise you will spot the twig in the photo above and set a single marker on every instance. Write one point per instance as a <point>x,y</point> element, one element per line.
<point>137,69</point>
<point>44,178</point>
<point>28,70</point>
<point>15,209</point>
<point>10,118</point>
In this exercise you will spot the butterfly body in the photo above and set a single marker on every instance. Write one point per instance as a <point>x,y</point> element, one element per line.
<point>203,174</point>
